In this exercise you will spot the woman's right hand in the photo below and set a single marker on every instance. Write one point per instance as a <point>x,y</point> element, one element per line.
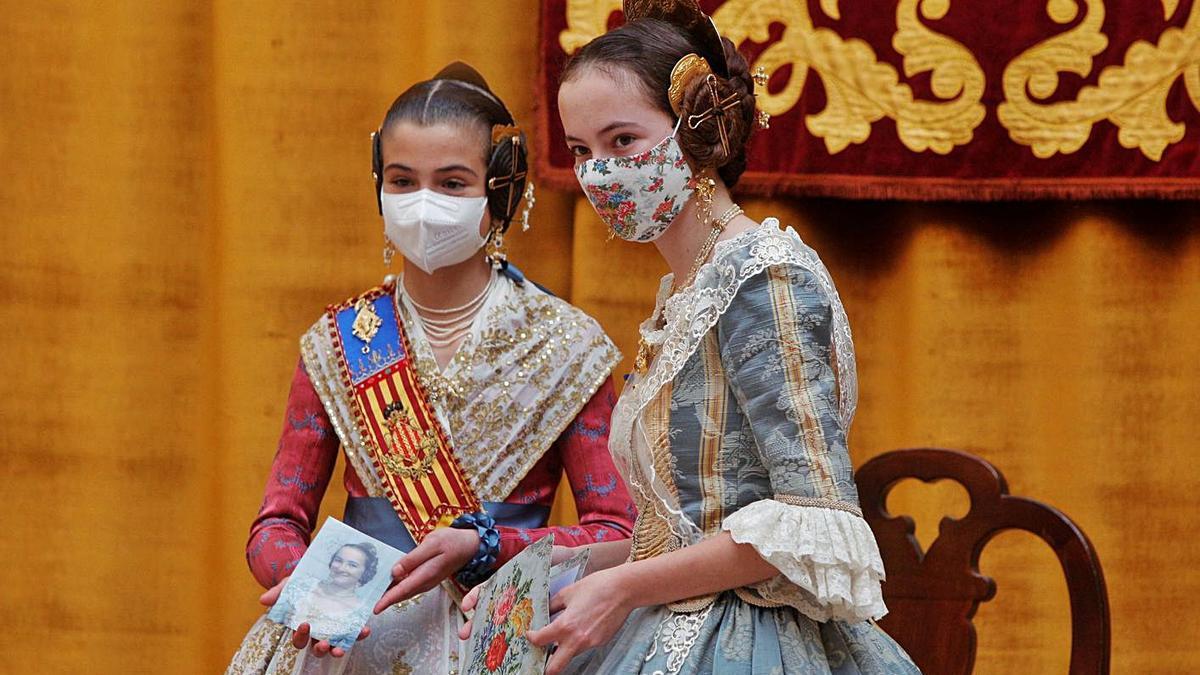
<point>439,556</point>
<point>301,637</point>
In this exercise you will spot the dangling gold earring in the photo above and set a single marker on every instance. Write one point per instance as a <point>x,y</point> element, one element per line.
<point>706,187</point>
<point>494,251</point>
<point>530,200</point>
<point>388,251</point>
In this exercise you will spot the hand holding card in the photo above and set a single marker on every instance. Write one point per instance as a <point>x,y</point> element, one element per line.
<point>514,601</point>
<point>340,578</point>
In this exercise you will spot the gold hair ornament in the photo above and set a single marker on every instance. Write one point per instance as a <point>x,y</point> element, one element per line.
<point>688,15</point>
<point>686,70</point>
<point>760,77</point>
<point>510,134</point>
<point>374,176</point>
<point>717,111</point>
<point>503,132</point>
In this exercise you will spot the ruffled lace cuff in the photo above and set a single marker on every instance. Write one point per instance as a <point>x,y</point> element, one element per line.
<point>827,557</point>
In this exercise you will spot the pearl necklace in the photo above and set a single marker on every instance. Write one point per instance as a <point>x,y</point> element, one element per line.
<point>457,321</point>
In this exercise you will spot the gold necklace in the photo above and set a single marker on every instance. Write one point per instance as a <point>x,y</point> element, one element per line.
<point>709,244</point>
<point>642,363</point>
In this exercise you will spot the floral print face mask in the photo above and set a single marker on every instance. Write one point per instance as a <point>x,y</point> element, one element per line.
<point>640,195</point>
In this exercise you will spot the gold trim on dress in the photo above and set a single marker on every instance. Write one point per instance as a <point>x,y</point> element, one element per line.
<point>818,502</point>
<point>534,363</point>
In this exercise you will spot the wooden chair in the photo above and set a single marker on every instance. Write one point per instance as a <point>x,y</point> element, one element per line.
<point>933,596</point>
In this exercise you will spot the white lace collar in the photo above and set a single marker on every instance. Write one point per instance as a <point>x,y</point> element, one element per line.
<point>688,315</point>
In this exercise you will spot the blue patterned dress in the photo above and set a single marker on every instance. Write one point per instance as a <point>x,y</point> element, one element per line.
<point>740,425</point>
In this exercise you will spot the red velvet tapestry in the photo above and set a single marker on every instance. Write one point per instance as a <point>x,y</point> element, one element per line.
<point>944,99</point>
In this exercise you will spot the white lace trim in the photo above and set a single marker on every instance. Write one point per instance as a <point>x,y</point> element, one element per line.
<point>687,318</point>
<point>828,560</point>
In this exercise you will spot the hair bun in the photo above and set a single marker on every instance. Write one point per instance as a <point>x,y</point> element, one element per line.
<point>462,72</point>
<point>700,132</point>
<point>466,76</point>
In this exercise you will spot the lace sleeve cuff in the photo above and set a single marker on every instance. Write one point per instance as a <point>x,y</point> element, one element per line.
<point>828,561</point>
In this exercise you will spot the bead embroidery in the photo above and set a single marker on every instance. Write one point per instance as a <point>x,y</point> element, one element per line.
<point>534,363</point>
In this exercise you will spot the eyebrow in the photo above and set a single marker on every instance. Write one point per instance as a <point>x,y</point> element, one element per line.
<point>614,125</point>
<point>444,169</point>
<point>457,167</point>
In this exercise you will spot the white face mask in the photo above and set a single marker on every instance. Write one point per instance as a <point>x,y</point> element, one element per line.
<point>433,230</point>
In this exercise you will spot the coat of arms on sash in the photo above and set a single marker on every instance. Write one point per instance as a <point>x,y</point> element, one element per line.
<point>408,461</point>
<point>408,447</point>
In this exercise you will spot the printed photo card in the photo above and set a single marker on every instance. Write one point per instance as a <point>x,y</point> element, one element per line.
<point>336,584</point>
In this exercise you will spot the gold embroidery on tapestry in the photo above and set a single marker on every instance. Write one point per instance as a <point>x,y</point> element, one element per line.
<point>1132,96</point>
<point>586,20</point>
<point>860,89</point>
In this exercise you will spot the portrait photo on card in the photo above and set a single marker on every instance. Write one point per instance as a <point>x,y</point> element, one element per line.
<point>336,584</point>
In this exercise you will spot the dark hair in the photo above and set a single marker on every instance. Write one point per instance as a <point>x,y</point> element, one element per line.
<point>648,49</point>
<point>459,95</point>
<point>456,95</point>
<point>370,567</point>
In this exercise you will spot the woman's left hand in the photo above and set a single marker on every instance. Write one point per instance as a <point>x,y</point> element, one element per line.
<point>593,609</point>
<point>442,553</point>
<point>468,603</point>
<point>322,648</point>
<point>300,637</point>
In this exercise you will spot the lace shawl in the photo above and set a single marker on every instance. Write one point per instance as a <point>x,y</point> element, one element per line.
<point>528,366</point>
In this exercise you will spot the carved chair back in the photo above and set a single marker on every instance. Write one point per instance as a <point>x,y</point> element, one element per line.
<point>933,595</point>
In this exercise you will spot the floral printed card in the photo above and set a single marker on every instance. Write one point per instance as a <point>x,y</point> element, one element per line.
<point>515,600</point>
<point>335,586</point>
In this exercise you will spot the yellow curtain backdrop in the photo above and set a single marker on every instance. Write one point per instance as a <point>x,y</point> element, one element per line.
<point>186,184</point>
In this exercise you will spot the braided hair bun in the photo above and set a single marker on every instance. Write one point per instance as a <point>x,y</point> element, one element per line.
<point>718,118</point>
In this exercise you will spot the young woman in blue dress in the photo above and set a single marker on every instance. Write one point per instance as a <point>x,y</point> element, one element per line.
<point>750,553</point>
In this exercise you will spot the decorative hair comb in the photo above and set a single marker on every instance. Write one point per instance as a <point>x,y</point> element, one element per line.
<point>716,111</point>
<point>686,70</point>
